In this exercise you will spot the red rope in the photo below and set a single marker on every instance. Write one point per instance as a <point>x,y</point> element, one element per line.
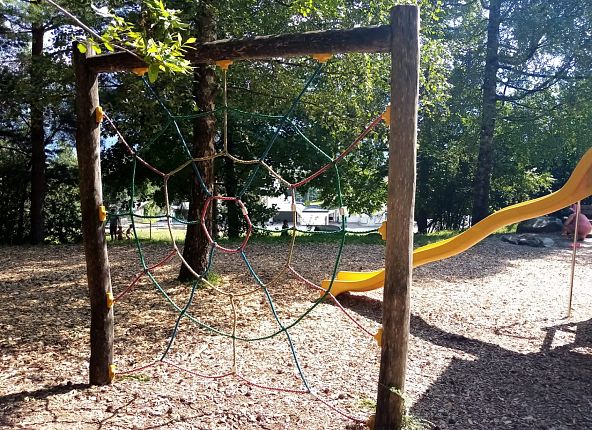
<point>318,288</point>
<point>265,387</point>
<point>141,274</point>
<point>349,149</point>
<point>131,151</point>
<point>200,375</point>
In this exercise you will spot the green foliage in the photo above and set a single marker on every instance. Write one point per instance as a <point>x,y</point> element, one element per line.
<point>352,91</point>
<point>62,212</point>
<point>540,136</point>
<point>62,203</point>
<point>159,37</point>
<point>425,239</point>
<point>14,180</point>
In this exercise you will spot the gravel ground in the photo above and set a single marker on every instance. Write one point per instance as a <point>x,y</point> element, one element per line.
<point>490,345</point>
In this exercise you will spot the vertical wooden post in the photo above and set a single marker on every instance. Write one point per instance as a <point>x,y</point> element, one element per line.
<point>573,260</point>
<point>91,198</point>
<point>390,406</point>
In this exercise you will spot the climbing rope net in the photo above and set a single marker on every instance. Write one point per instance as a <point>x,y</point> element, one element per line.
<point>262,290</point>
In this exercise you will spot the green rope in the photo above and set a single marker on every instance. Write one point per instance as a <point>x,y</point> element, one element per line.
<point>194,286</point>
<point>280,127</point>
<point>184,312</point>
<point>277,319</point>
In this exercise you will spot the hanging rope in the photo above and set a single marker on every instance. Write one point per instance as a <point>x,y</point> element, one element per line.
<point>183,311</point>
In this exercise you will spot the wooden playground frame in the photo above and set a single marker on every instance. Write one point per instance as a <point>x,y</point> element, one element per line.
<point>401,39</point>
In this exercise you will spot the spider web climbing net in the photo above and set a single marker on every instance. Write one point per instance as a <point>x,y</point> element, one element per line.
<point>261,289</point>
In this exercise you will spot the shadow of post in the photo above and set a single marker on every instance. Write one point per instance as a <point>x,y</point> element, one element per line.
<point>548,389</point>
<point>505,389</point>
<point>10,404</point>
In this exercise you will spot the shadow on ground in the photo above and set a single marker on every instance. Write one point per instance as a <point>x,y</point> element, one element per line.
<point>12,403</point>
<point>549,389</point>
<point>497,388</point>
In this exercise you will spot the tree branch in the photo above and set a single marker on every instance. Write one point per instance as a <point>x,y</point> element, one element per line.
<point>88,29</point>
<point>12,148</point>
<point>525,92</point>
<point>543,75</point>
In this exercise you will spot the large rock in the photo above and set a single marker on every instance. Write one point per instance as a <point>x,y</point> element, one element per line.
<point>528,239</point>
<point>543,224</point>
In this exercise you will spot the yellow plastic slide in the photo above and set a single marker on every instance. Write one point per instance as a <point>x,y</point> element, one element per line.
<point>578,187</point>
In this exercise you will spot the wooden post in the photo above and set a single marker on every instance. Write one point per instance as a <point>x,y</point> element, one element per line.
<point>91,198</point>
<point>362,39</point>
<point>573,260</point>
<point>390,407</point>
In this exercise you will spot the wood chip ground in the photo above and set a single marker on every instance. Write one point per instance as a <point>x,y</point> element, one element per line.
<point>490,346</point>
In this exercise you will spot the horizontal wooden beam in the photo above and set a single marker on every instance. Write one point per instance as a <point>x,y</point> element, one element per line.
<point>362,39</point>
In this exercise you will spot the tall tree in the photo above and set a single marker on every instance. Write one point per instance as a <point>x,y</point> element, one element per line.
<point>35,42</point>
<point>488,114</point>
<point>531,45</point>
<point>204,131</point>
<point>38,159</point>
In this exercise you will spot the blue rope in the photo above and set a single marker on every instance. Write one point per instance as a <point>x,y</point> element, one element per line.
<point>279,128</point>
<point>277,318</point>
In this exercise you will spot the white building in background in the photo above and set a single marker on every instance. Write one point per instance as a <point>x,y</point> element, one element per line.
<point>180,211</point>
<point>315,215</point>
<point>283,205</point>
<point>369,220</point>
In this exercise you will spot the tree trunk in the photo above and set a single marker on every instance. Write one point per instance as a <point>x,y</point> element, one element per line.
<point>482,183</point>
<point>37,137</point>
<point>20,228</point>
<point>195,251</point>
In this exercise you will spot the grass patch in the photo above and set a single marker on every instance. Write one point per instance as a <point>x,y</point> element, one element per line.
<point>140,377</point>
<point>426,239</point>
<point>214,278</point>
<point>160,235</point>
<point>320,237</point>
<point>508,229</point>
<point>367,403</point>
<point>373,238</point>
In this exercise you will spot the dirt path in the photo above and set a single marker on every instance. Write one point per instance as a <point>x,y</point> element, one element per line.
<point>490,347</point>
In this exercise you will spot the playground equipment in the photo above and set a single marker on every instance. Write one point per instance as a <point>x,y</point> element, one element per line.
<point>577,187</point>
<point>401,40</point>
<point>234,294</point>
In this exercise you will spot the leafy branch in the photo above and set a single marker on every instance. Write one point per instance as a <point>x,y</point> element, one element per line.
<point>160,40</point>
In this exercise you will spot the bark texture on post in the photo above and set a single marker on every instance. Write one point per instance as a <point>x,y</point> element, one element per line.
<point>482,184</point>
<point>390,407</point>
<point>363,39</point>
<point>91,198</point>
